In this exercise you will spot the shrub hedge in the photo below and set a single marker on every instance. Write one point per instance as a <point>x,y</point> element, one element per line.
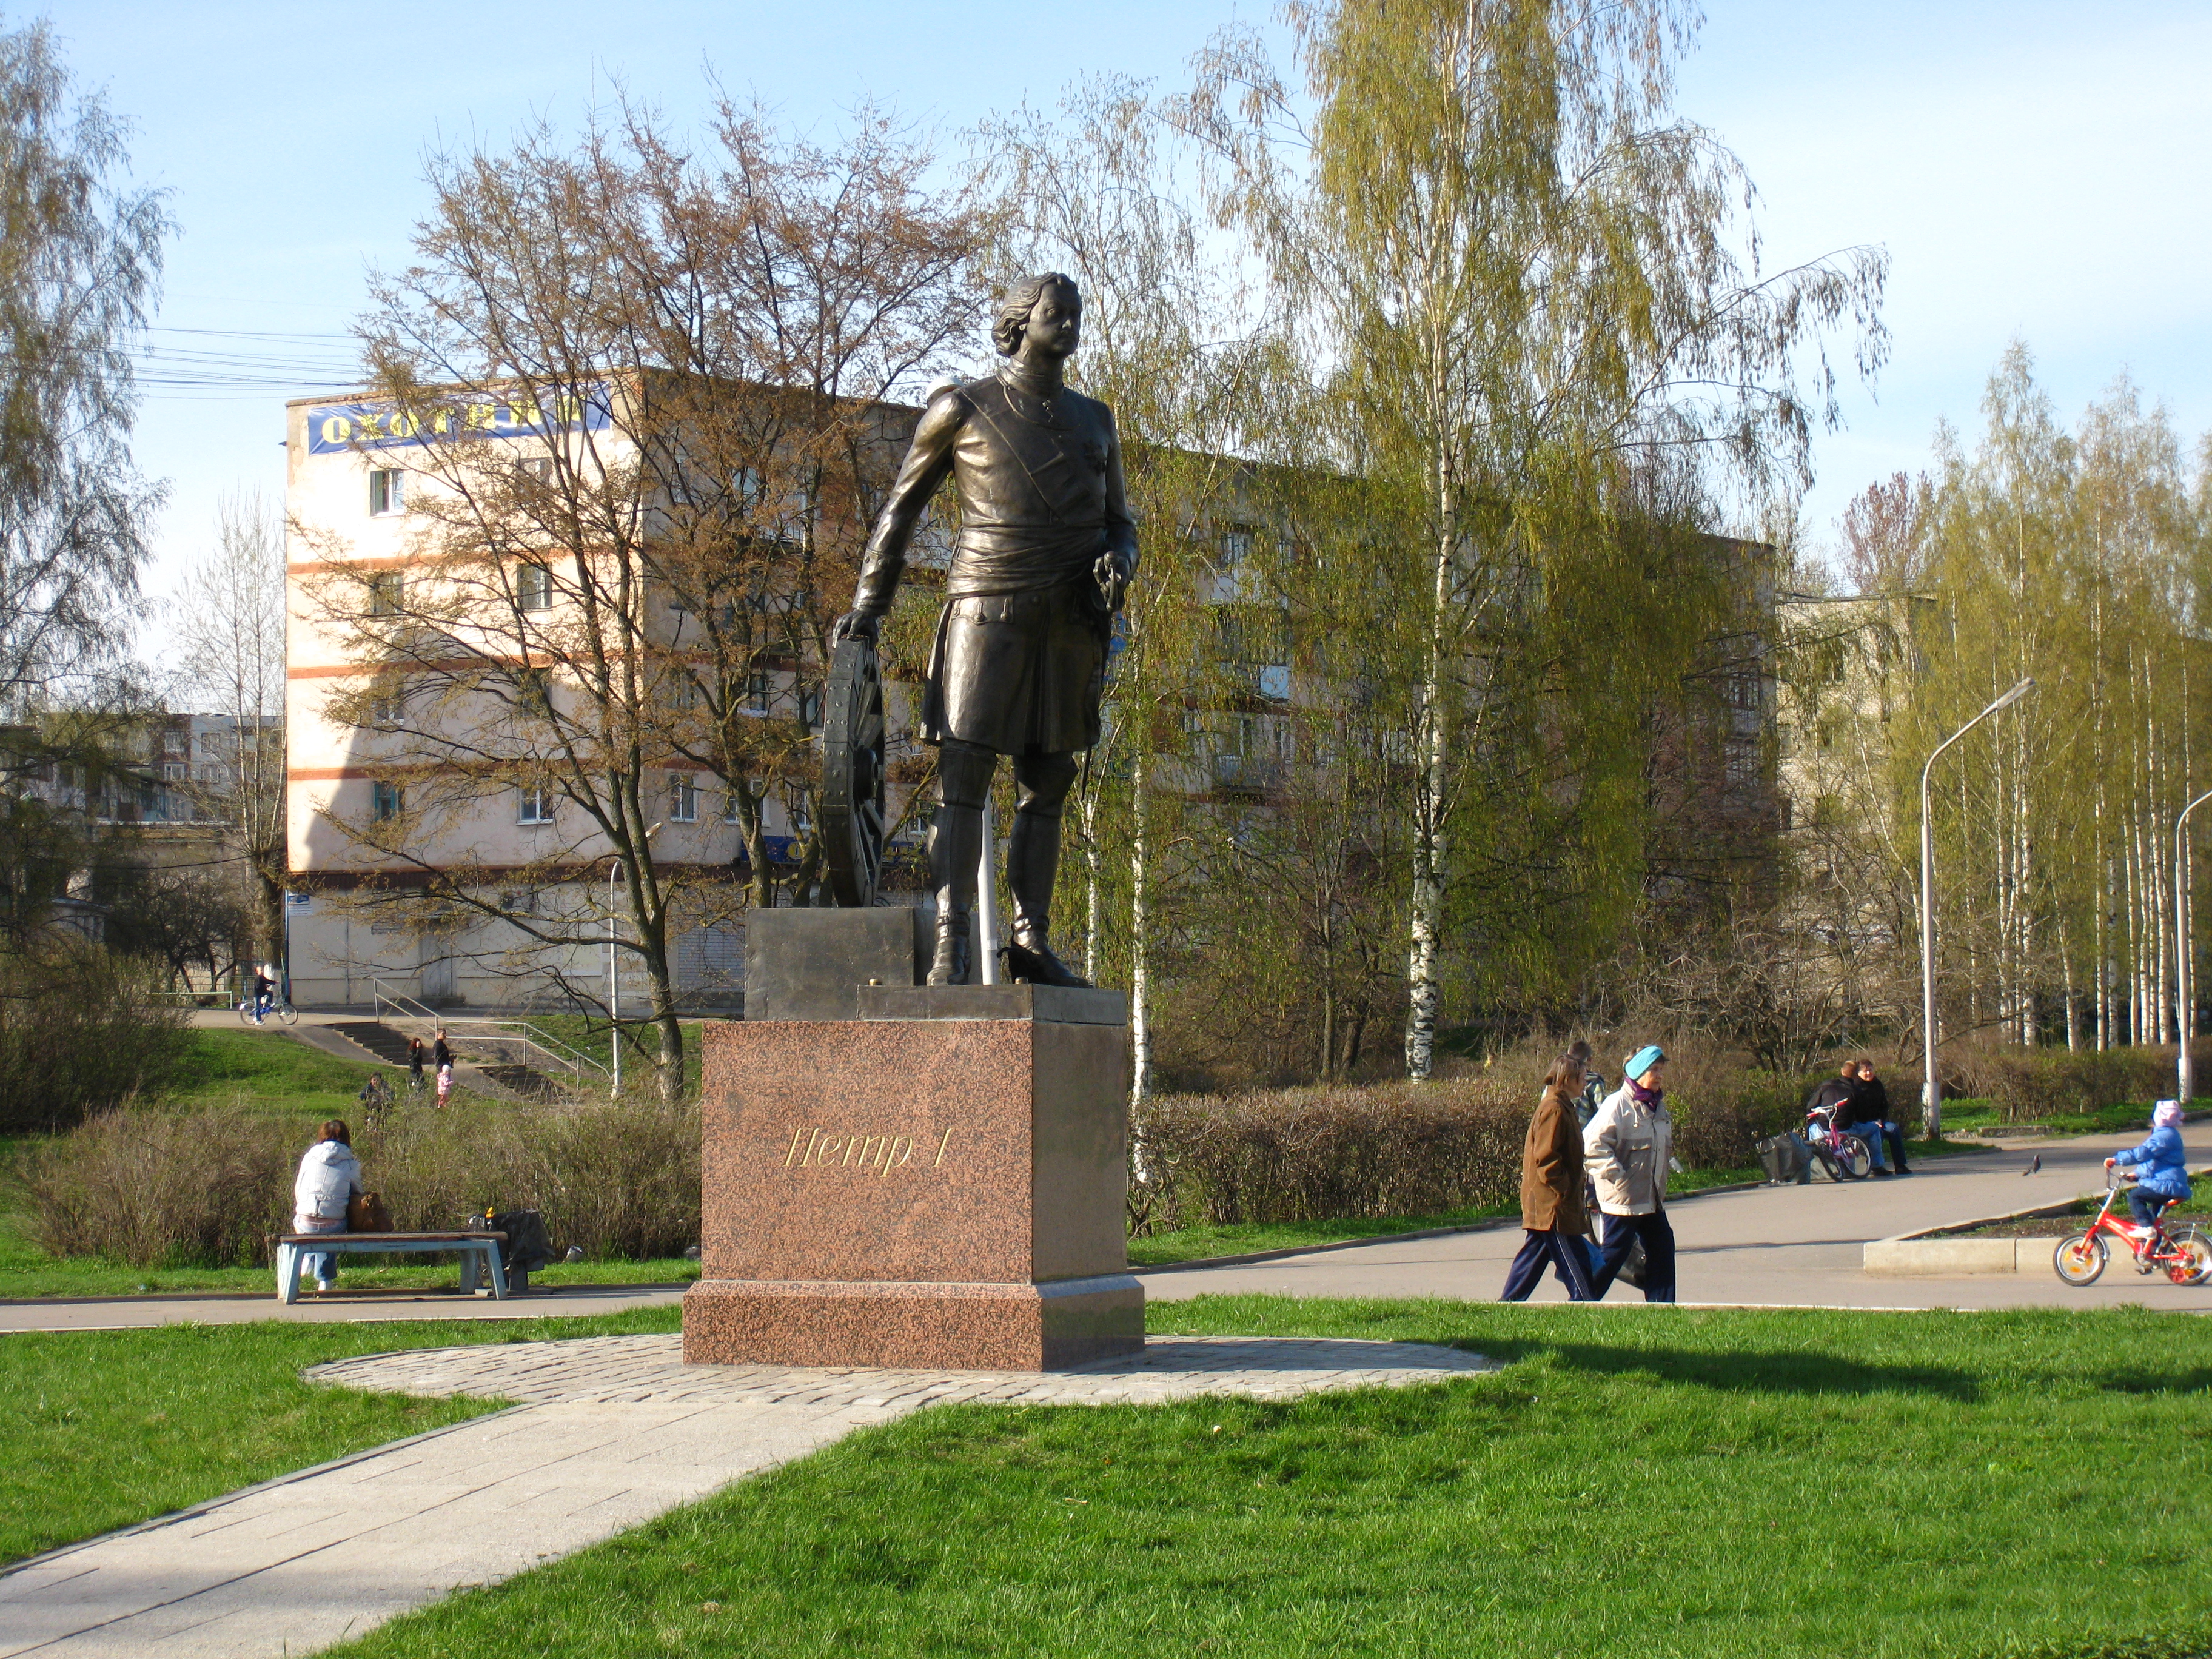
<point>1396,1149</point>
<point>80,1032</point>
<point>210,1188</point>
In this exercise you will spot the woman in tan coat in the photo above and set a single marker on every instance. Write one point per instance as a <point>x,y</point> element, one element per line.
<point>1552,1191</point>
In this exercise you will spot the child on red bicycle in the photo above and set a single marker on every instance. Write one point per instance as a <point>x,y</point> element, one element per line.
<point>2160,1168</point>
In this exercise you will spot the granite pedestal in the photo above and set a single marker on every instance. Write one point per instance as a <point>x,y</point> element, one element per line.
<point>939,1182</point>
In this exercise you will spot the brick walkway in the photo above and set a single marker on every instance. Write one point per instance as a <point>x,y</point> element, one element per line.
<point>639,1369</point>
<point>613,1432</point>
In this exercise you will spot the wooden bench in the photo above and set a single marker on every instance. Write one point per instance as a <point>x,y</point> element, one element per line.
<point>479,1254</point>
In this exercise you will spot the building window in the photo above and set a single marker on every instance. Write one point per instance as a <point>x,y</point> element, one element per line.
<point>533,694</point>
<point>540,469</point>
<point>536,807</point>
<point>1236,548</point>
<point>760,692</point>
<point>683,797</point>
<point>729,806</point>
<point>175,742</point>
<point>176,772</point>
<point>385,802</point>
<point>388,593</point>
<point>1743,766</point>
<point>387,492</point>
<point>533,587</point>
<point>387,703</point>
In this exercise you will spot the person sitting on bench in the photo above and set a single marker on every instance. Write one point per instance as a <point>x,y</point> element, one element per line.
<point>329,1175</point>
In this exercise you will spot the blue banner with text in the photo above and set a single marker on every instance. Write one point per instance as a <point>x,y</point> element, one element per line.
<point>332,428</point>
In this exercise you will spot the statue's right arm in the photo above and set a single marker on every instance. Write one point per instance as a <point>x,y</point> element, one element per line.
<point>928,459</point>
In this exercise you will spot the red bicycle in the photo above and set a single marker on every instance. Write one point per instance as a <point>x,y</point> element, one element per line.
<point>2185,1253</point>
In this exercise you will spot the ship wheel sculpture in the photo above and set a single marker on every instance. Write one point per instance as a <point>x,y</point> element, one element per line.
<point>852,771</point>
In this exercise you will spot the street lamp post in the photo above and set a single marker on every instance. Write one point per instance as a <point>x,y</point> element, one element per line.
<point>613,974</point>
<point>2184,999</point>
<point>1931,1088</point>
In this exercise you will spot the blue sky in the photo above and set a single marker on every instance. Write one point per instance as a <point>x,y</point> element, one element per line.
<point>2035,169</point>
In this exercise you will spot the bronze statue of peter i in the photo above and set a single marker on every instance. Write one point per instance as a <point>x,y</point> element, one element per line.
<point>1045,552</point>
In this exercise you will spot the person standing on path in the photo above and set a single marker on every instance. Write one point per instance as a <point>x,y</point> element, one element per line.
<point>1552,1213</point>
<point>414,1065</point>
<point>1590,1091</point>
<point>441,1057</point>
<point>1628,1146</point>
<point>329,1175</point>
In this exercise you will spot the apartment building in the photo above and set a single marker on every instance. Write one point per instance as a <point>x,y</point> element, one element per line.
<point>363,497</point>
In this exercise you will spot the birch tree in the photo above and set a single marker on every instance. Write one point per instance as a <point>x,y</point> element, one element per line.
<point>1532,290</point>
<point>228,633</point>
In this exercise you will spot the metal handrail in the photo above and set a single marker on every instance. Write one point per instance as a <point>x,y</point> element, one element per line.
<point>521,1033</point>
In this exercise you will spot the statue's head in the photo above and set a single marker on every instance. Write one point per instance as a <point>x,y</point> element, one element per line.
<point>1043,311</point>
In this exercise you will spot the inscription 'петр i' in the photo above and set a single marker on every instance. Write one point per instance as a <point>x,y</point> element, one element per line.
<point>874,1154</point>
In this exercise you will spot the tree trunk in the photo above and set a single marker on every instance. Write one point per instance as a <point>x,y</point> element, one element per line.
<point>1140,1025</point>
<point>1433,739</point>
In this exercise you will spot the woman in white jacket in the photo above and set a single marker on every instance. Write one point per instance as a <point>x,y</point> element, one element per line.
<point>330,1175</point>
<point>1627,1148</point>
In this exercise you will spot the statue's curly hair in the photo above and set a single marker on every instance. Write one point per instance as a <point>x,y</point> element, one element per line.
<point>1021,300</point>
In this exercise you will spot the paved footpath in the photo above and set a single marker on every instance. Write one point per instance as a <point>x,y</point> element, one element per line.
<point>110,1313</point>
<point>613,1432</point>
<point>1768,1247</point>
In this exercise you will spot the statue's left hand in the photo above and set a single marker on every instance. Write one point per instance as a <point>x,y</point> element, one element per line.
<point>1112,574</point>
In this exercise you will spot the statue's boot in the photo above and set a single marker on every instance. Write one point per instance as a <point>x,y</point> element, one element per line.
<point>1032,865</point>
<point>955,852</point>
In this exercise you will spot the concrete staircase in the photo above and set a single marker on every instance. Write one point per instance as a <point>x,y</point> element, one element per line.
<point>511,1075</point>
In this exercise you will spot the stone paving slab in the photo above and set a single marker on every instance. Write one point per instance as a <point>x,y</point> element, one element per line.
<point>611,1431</point>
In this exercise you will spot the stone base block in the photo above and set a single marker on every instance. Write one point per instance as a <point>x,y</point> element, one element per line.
<point>1953,1258</point>
<point>908,1326</point>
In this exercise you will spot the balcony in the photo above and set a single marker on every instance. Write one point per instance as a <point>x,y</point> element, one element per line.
<point>1245,774</point>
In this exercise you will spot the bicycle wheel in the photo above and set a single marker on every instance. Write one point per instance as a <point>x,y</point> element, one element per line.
<point>2192,1253</point>
<point>2081,1259</point>
<point>1852,1159</point>
<point>246,1014</point>
<point>285,1014</point>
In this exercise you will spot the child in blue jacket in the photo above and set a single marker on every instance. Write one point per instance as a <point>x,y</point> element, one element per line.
<point>2160,1170</point>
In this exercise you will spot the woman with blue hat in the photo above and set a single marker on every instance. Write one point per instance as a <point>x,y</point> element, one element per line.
<point>1628,1148</point>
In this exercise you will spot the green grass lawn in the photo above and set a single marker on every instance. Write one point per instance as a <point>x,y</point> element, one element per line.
<point>107,1428</point>
<point>267,1070</point>
<point>1635,1481</point>
<point>2120,1118</point>
<point>639,1043</point>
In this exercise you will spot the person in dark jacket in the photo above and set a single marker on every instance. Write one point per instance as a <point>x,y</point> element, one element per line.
<point>1840,1095</point>
<point>1590,1093</point>
<point>441,1057</point>
<point>1552,1213</point>
<point>415,1058</point>
<point>1874,1112</point>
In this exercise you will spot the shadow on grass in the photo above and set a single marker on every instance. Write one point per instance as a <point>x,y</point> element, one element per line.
<point>2197,1381</point>
<point>1746,1371</point>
